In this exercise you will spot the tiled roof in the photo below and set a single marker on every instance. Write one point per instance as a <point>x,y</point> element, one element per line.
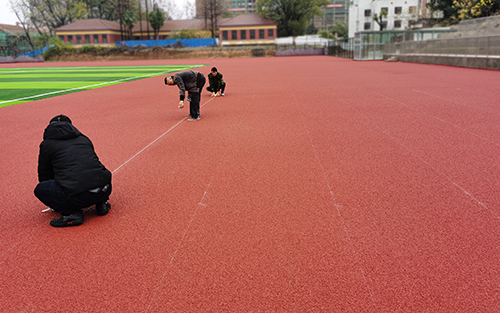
<point>15,29</point>
<point>246,20</point>
<point>10,28</point>
<point>90,24</point>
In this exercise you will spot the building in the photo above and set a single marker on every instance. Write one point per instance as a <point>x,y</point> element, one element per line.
<point>336,11</point>
<point>13,40</point>
<point>399,14</point>
<point>90,32</point>
<point>247,29</point>
<point>242,6</point>
<point>240,30</point>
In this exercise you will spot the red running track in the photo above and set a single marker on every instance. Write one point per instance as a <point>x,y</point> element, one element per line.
<point>317,184</point>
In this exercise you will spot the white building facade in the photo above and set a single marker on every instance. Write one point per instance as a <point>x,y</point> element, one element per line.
<point>399,14</point>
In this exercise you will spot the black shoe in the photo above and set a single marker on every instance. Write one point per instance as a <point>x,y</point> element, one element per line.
<point>103,208</point>
<point>74,219</point>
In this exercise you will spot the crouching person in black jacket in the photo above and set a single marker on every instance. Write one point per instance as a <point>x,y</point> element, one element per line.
<point>70,175</point>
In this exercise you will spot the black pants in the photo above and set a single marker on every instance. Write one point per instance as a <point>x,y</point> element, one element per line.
<point>54,196</point>
<point>212,89</point>
<point>194,105</point>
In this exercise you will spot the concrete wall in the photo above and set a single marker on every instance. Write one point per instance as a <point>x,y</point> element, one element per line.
<point>475,62</point>
<point>476,27</point>
<point>21,58</point>
<point>300,51</point>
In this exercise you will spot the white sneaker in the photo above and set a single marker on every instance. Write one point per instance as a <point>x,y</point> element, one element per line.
<point>222,94</point>
<point>194,119</point>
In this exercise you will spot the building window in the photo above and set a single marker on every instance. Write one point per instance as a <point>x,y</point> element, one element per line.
<point>384,24</point>
<point>252,33</point>
<point>270,33</point>
<point>368,26</point>
<point>261,34</point>
<point>70,38</point>
<point>104,38</point>
<point>78,39</point>
<point>397,10</point>
<point>397,24</point>
<point>61,37</point>
<point>384,9</point>
<point>224,35</point>
<point>368,13</point>
<point>137,38</point>
<point>87,39</point>
<point>96,38</point>
<point>243,34</point>
<point>412,10</point>
<point>234,36</point>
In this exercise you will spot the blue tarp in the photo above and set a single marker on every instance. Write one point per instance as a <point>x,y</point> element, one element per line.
<point>191,43</point>
<point>34,53</point>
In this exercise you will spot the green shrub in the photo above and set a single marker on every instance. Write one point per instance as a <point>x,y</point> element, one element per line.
<point>89,49</point>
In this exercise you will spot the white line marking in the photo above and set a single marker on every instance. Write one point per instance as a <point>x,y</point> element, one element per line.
<point>95,85</point>
<point>338,206</point>
<point>151,143</point>
<point>454,183</point>
<point>179,245</point>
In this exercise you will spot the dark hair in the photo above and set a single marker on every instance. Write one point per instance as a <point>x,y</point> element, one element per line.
<point>60,118</point>
<point>214,69</point>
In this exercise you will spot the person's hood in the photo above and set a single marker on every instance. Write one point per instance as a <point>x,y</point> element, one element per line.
<point>60,131</point>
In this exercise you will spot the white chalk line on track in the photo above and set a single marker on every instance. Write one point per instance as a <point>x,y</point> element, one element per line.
<point>455,102</point>
<point>138,153</point>
<point>440,173</point>
<point>152,142</point>
<point>95,85</point>
<point>440,119</point>
<point>338,207</point>
<point>181,241</point>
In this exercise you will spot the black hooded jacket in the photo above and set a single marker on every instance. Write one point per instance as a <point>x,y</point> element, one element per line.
<point>68,157</point>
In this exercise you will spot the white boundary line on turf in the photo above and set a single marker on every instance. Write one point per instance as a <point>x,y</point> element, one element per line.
<point>84,87</point>
<point>152,142</point>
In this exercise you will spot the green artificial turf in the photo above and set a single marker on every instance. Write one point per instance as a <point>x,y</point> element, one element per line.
<point>19,85</point>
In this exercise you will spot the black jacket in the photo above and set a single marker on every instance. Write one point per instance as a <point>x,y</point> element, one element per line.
<point>68,157</point>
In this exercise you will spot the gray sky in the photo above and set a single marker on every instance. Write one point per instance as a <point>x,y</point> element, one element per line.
<point>179,6</point>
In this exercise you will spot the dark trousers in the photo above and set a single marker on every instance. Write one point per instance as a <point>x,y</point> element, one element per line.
<point>194,105</point>
<point>54,196</point>
<point>213,89</point>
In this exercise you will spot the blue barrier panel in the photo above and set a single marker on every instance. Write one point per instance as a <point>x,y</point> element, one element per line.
<point>34,53</point>
<point>191,43</point>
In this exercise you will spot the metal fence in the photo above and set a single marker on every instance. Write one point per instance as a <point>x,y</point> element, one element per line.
<point>482,46</point>
<point>342,49</point>
<point>369,45</point>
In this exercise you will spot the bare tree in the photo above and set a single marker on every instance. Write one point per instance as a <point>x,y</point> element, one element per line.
<point>211,11</point>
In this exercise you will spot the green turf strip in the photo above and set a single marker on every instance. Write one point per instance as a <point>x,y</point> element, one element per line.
<point>18,85</point>
<point>58,79</point>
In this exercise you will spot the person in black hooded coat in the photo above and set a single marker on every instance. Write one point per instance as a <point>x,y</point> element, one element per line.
<point>70,175</point>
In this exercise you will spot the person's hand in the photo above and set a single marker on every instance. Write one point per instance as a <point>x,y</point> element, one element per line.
<point>213,94</point>
<point>218,93</point>
<point>181,104</point>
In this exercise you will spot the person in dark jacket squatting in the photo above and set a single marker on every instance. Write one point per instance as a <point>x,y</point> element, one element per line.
<point>70,175</point>
<point>216,85</point>
<point>192,82</point>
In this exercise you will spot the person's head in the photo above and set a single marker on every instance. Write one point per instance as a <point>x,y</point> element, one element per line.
<point>60,118</point>
<point>169,80</point>
<point>214,70</point>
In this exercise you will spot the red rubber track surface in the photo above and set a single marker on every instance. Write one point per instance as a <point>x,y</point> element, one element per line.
<point>317,184</point>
